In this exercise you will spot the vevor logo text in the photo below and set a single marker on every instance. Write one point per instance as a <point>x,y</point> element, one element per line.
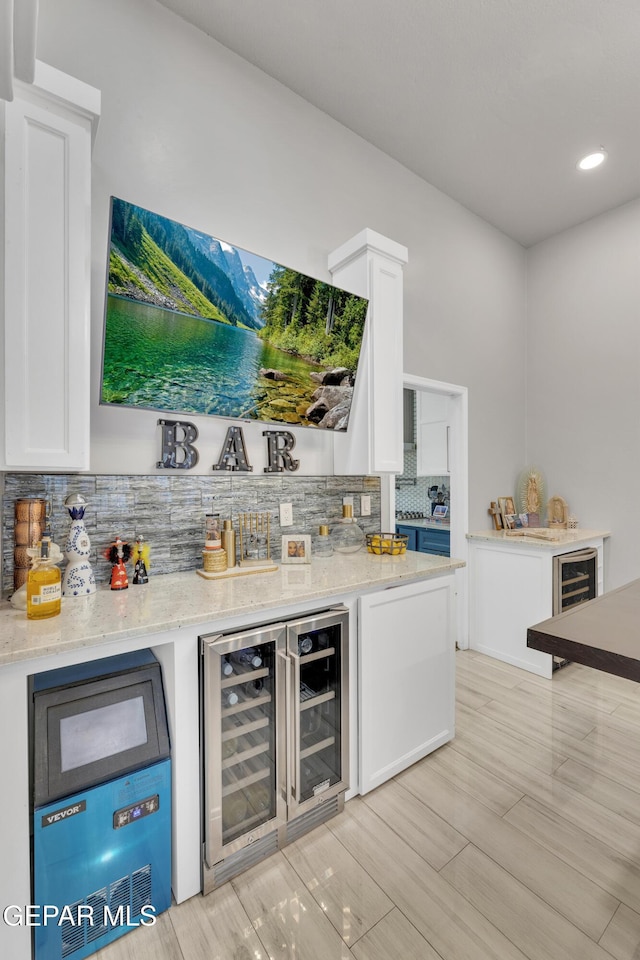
<point>63,813</point>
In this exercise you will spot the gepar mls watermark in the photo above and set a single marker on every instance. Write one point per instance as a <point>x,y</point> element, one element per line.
<point>44,915</point>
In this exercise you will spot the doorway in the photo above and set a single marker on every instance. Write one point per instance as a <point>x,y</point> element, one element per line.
<point>458,483</point>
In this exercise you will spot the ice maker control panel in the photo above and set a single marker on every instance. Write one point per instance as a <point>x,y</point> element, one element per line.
<point>136,811</point>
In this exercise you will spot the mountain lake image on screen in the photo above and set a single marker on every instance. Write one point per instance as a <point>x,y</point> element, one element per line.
<point>194,325</point>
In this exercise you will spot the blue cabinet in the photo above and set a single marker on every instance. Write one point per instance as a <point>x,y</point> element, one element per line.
<point>427,539</point>
<point>434,540</point>
<point>408,532</point>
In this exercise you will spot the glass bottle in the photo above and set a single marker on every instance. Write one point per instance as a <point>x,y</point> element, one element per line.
<point>229,698</point>
<point>322,546</point>
<point>226,667</point>
<point>346,536</point>
<point>44,591</point>
<point>246,658</point>
<point>255,688</point>
<point>305,645</point>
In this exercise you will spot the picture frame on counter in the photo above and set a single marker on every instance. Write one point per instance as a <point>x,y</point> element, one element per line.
<point>508,512</point>
<point>296,548</point>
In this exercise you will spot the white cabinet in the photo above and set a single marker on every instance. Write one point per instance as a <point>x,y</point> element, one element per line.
<point>511,589</point>
<point>47,259</point>
<point>432,434</point>
<point>370,265</point>
<point>406,676</point>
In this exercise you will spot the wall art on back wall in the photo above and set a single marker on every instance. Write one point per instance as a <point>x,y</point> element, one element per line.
<point>195,325</point>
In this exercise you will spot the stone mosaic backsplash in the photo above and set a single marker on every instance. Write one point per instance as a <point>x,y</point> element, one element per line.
<point>169,511</point>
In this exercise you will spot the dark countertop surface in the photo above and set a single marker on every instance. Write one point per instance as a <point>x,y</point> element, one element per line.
<point>602,633</point>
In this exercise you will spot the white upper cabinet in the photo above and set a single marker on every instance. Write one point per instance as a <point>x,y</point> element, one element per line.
<point>370,265</point>
<point>47,259</point>
<point>432,434</point>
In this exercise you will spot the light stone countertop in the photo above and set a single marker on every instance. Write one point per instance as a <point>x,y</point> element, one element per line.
<point>426,522</point>
<point>576,536</point>
<point>185,599</point>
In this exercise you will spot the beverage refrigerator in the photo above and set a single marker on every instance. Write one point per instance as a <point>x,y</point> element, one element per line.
<point>274,737</point>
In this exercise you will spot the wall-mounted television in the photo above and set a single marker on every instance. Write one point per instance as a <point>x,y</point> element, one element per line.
<point>194,325</point>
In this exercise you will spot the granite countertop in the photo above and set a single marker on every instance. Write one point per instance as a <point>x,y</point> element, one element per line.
<point>185,599</point>
<point>576,536</point>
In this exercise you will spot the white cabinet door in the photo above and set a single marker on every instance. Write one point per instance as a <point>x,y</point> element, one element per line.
<point>432,435</point>
<point>406,676</point>
<point>47,260</point>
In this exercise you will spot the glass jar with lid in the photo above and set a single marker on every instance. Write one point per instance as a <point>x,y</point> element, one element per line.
<point>322,545</point>
<point>347,536</point>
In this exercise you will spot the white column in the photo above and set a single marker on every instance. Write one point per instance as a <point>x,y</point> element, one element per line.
<point>370,265</point>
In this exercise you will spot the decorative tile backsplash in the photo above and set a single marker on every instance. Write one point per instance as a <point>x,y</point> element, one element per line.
<point>169,511</point>
<point>412,492</point>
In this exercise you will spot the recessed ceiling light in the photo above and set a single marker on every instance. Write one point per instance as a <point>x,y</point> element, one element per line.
<point>592,160</point>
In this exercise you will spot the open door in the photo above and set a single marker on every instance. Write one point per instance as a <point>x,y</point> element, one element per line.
<point>435,395</point>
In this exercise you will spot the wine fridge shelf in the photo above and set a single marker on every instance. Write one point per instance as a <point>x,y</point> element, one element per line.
<point>244,825</point>
<point>581,578</point>
<point>240,727</point>
<point>243,705</point>
<point>245,677</point>
<point>244,755</point>
<point>317,747</point>
<point>315,701</point>
<point>321,654</point>
<point>574,593</point>
<point>243,782</point>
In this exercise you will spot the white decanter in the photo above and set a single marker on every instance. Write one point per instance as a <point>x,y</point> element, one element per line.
<point>78,579</point>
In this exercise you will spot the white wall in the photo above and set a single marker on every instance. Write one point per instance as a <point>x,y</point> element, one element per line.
<point>583,374</point>
<point>191,131</point>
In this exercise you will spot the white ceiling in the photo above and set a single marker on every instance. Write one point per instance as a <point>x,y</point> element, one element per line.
<point>491,101</point>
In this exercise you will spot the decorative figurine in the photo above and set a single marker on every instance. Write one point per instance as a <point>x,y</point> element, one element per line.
<point>78,579</point>
<point>118,554</point>
<point>141,561</point>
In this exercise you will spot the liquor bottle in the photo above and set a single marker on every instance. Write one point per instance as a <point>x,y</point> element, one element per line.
<point>44,591</point>
<point>247,658</point>
<point>229,698</point>
<point>305,645</point>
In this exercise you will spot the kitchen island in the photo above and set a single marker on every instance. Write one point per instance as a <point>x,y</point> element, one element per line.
<point>602,633</point>
<point>168,615</point>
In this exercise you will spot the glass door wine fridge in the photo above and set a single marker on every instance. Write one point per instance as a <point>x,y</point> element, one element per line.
<point>275,738</point>
<point>575,580</point>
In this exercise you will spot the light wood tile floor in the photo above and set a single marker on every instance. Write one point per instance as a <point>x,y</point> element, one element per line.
<point>520,839</point>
